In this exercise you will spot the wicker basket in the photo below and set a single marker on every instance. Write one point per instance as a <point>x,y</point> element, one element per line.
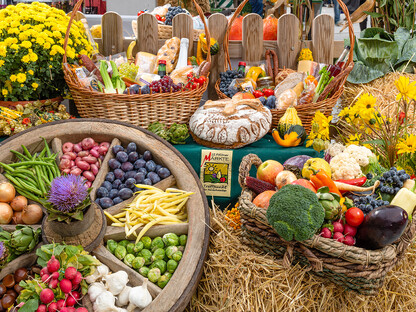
<point>165,31</point>
<point>305,112</point>
<point>352,267</point>
<point>139,110</point>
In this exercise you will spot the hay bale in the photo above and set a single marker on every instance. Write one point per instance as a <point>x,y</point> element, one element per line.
<point>238,279</point>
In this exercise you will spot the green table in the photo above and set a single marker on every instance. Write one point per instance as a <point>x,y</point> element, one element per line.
<point>266,148</point>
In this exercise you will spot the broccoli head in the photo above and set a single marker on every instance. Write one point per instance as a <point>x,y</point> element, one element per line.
<point>295,213</point>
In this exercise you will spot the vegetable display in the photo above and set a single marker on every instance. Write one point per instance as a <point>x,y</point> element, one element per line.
<point>175,134</point>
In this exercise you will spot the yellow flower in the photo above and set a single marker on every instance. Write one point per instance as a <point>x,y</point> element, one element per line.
<point>407,145</point>
<point>14,46</point>
<point>35,85</point>
<point>26,58</point>
<point>1,63</point>
<point>13,78</point>
<point>21,77</point>
<point>407,90</point>
<point>30,72</point>
<point>33,57</point>
<point>26,44</point>
<point>4,92</point>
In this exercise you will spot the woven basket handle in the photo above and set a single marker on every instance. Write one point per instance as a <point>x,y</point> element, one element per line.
<point>207,34</point>
<point>71,19</point>
<point>245,167</point>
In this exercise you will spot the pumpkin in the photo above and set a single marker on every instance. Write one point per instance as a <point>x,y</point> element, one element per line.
<point>270,28</point>
<point>294,136</point>
<point>236,31</point>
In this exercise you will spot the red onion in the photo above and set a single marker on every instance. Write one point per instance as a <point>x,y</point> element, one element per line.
<point>83,165</point>
<point>77,148</point>
<point>67,147</point>
<point>65,164</point>
<point>87,143</point>
<point>95,153</point>
<point>89,159</point>
<point>103,150</point>
<point>76,171</point>
<point>67,171</point>
<point>72,155</point>
<point>65,156</point>
<point>72,163</point>
<point>94,169</point>
<point>83,153</point>
<point>89,175</point>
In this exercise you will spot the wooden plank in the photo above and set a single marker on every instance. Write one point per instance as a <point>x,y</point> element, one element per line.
<point>183,27</point>
<point>147,36</point>
<point>217,24</point>
<point>112,33</point>
<point>322,48</point>
<point>288,43</point>
<point>118,233</point>
<point>252,38</point>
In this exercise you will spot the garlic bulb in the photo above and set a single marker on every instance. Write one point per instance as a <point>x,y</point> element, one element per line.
<point>123,297</point>
<point>105,302</point>
<point>116,282</point>
<point>94,290</point>
<point>139,297</point>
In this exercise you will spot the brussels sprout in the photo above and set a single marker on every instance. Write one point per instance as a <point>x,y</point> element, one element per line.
<point>153,275</point>
<point>169,275</point>
<point>161,264</point>
<point>111,245</point>
<point>144,271</point>
<point>138,262</point>
<point>138,247</point>
<point>120,252</point>
<point>128,259</point>
<point>170,239</point>
<point>162,281</point>
<point>147,242</point>
<point>123,243</point>
<point>130,248</point>
<point>158,254</point>
<point>147,255</point>
<point>182,239</point>
<point>170,250</point>
<point>181,248</point>
<point>171,266</point>
<point>157,243</point>
<point>177,256</point>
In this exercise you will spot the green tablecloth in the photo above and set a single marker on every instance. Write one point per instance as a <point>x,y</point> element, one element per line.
<point>266,148</point>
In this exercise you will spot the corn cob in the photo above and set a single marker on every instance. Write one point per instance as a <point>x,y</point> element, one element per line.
<point>9,114</point>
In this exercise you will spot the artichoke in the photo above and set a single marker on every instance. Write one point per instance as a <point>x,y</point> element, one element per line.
<point>24,239</point>
<point>160,130</point>
<point>178,133</point>
<point>330,202</point>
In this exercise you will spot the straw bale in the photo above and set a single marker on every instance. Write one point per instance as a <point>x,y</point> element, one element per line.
<point>238,279</point>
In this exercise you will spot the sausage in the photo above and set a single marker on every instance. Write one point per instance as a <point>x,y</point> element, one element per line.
<point>275,64</point>
<point>204,68</point>
<point>90,66</point>
<point>269,64</point>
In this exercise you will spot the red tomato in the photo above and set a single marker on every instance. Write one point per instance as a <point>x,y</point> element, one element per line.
<point>258,94</point>
<point>268,92</point>
<point>201,80</point>
<point>354,216</point>
<point>163,19</point>
<point>195,86</point>
<point>158,17</point>
<point>140,13</point>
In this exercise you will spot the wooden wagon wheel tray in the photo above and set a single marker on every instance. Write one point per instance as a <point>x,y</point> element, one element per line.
<point>177,293</point>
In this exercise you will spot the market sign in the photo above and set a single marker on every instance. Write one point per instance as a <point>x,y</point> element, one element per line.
<point>215,172</point>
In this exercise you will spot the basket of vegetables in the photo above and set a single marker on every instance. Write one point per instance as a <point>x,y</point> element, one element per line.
<point>309,89</point>
<point>170,96</point>
<point>289,218</point>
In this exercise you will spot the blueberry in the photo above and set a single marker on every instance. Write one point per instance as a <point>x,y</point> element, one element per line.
<point>130,183</point>
<point>122,185</point>
<point>406,176</point>
<point>381,184</point>
<point>389,180</point>
<point>401,172</point>
<point>139,177</point>
<point>110,177</point>
<point>150,165</point>
<point>117,148</point>
<point>102,192</point>
<point>143,170</point>
<point>386,174</point>
<point>113,193</point>
<point>117,200</point>
<point>396,190</point>
<point>119,174</point>
<point>127,166</point>
<point>125,193</point>
<point>163,173</point>
<point>122,157</point>
<point>116,183</point>
<point>133,156</point>
<point>129,174</point>
<point>391,191</point>
<point>147,155</point>
<point>131,147</point>
<point>393,169</point>
<point>107,185</point>
<point>140,163</point>
<point>106,202</point>
<point>400,184</point>
<point>153,177</point>
<point>147,181</point>
<point>114,163</point>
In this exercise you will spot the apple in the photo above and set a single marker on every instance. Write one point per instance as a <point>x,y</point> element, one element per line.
<point>268,171</point>
<point>262,200</point>
<point>305,183</point>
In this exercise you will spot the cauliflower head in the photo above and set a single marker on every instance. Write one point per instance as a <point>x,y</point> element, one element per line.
<point>345,167</point>
<point>335,148</point>
<point>360,153</point>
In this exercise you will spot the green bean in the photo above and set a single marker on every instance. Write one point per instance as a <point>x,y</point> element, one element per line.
<point>41,154</point>
<point>23,176</point>
<point>50,173</point>
<point>23,192</point>
<point>6,167</point>
<point>22,184</point>
<point>48,151</point>
<point>24,171</point>
<point>19,155</point>
<point>25,150</point>
<point>30,163</point>
<point>44,173</point>
<point>41,185</point>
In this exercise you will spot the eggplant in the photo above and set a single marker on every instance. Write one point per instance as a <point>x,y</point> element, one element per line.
<point>297,161</point>
<point>381,227</point>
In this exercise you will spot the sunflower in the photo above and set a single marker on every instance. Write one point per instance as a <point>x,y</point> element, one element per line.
<point>407,89</point>
<point>407,145</point>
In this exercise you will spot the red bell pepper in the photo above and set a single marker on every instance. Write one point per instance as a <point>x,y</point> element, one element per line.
<point>355,182</point>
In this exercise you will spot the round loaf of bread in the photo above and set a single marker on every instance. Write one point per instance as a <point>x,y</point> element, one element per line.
<point>230,123</point>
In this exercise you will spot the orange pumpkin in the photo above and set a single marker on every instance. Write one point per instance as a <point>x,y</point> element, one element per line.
<point>236,31</point>
<point>270,28</point>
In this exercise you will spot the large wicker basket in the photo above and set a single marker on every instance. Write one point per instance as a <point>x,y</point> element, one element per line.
<point>351,267</point>
<point>139,110</point>
<point>165,31</point>
<point>305,112</point>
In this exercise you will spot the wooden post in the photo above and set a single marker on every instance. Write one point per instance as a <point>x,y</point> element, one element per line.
<point>252,38</point>
<point>183,27</point>
<point>322,48</point>
<point>147,36</point>
<point>217,24</point>
<point>112,33</point>
<point>288,43</point>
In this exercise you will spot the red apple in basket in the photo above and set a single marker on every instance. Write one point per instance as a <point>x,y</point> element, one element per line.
<point>268,171</point>
<point>305,183</point>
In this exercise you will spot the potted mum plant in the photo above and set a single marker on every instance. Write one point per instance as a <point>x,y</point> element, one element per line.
<point>68,206</point>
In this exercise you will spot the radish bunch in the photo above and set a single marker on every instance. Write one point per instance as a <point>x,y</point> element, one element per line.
<point>344,233</point>
<point>83,158</point>
<point>58,280</point>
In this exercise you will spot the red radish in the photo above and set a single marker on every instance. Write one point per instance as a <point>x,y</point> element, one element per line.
<point>45,277</point>
<point>67,147</point>
<point>55,275</point>
<point>338,227</point>
<point>70,273</point>
<point>326,233</point>
<point>349,240</point>
<point>53,307</point>
<point>64,309</point>
<point>65,164</point>
<point>41,308</point>
<point>53,283</point>
<point>339,237</point>
<point>70,301</point>
<point>61,304</point>
<point>350,230</point>
<point>77,279</point>
<point>65,285</point>
<point>82,310</point>
<point>46,296</point>
<point>77,148</point>
<point>67,171</point>
<point>94,169</point>
<point>83,153</point>
<point>44,271</point>
<point>71,309</point>
<point>53,265</point>
<point>96,144</point>
<point>76,295</point>
<point>94,153</point>
<point>87,143</point>
<point>89,175</point>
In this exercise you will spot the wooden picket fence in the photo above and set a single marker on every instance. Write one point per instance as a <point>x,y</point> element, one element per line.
<point>250,49</point>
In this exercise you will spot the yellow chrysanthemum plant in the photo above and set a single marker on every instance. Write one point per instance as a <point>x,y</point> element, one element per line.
<point>31,51</point>
<point>318,138</point>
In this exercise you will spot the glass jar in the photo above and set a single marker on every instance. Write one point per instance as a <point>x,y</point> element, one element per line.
<point>265,82</point>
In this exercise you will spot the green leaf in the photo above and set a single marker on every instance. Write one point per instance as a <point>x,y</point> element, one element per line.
<point>30,306</point>
<point>401,36</point>
<point>71,251</point>
<point>377,142</point>
<point>58,249</point>
<point>363,74</point>
<point>408,52</point>
<point>374,14</point>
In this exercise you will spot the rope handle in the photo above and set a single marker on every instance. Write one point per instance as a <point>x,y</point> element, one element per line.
<point>245,167</point>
